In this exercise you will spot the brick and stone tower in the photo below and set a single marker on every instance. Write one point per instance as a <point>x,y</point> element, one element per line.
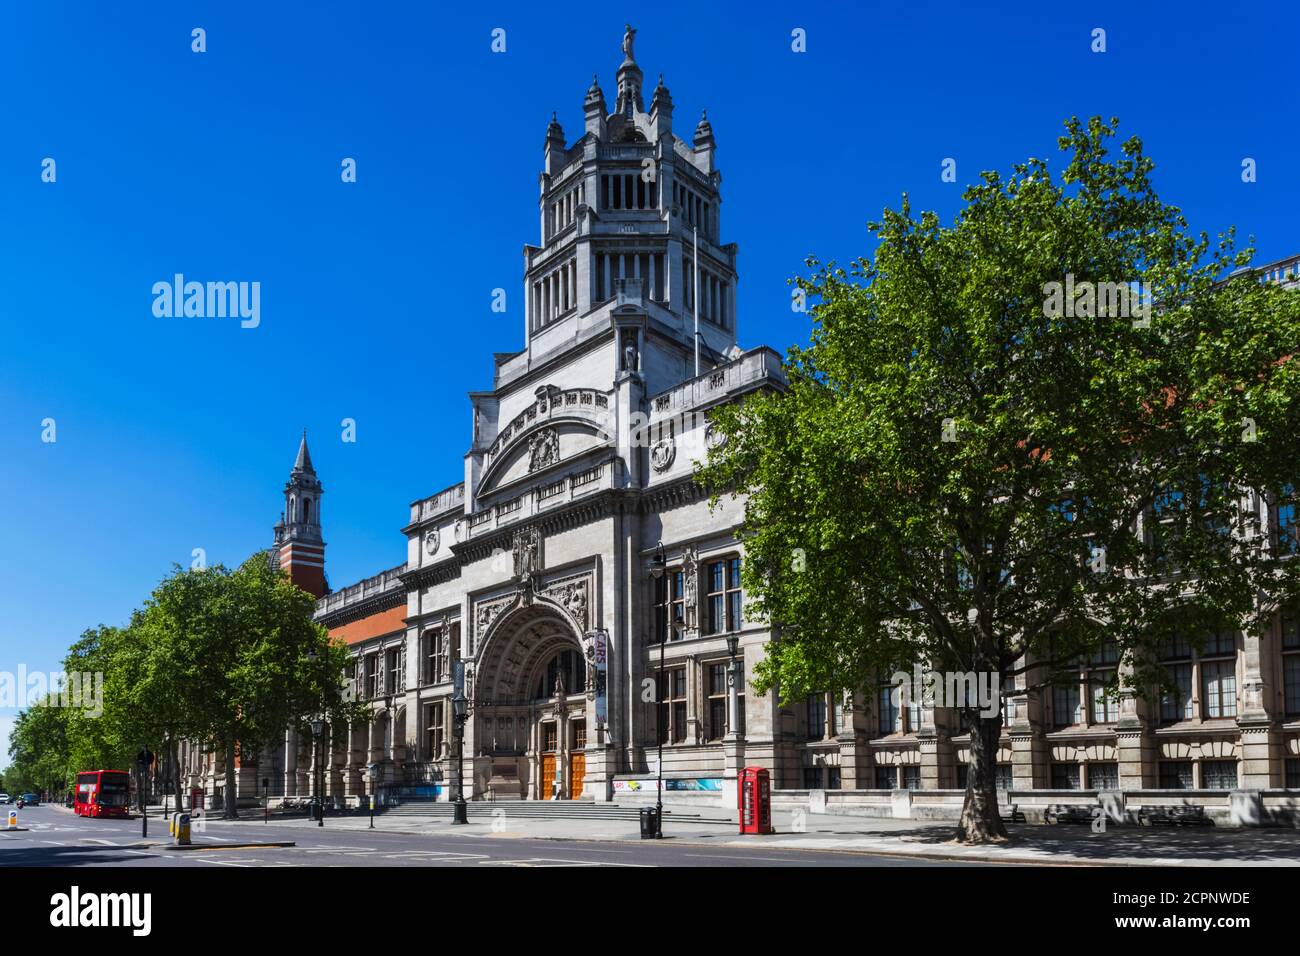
<point>298,539</point>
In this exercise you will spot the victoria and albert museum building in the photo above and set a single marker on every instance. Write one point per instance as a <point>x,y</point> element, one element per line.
<point>579,594</point>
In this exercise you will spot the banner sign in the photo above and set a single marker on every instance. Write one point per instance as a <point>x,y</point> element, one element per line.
<point>708,784</point>
<point>600,643</point>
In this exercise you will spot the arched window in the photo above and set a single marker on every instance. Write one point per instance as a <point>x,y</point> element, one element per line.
<point>306,510</point>
<point>575,675</point>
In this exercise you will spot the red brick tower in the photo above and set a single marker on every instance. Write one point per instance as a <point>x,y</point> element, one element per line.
<point>298,540</point>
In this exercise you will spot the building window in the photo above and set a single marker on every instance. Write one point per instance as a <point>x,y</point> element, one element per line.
<point>1293,774</point>
<point>717,693</point>
<point>372,675</point>
<point>886,778</point>
<point>1002,776</point>
<point>1218,664</point>
<point>579,735</point>
<point>670,691</point>
<point>1176,704</point>
<point>963,776</point>
<point>1065,706</point>
<point>670,605</point>
<point>832,778</point>
<point>1103,776</point>
<point>1065,776</point>
<point>723,596</point>
<point>1219,774</point>
<point>1105,705</point>
<point>394,678</point>
<point>1291,660</point>
<point>1288,522</point>
<point>433,730</point>
<point>1219,688</point>
<point>550,737</point>
<point>435,661</point>
<point>816,711</point>
<point>812,778</point>
<point>888,715</point>
<point>912,778</point>
<point>1176,775</point>
<point>574,667</point>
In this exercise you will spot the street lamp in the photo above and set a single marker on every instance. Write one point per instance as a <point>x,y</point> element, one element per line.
<point>657,568</point>
<point>317,729</point>
<point>373,771</point>
<point>458,710</point>
<point>733,686</point>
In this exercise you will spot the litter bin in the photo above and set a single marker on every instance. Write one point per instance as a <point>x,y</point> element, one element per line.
<point>649,823</point>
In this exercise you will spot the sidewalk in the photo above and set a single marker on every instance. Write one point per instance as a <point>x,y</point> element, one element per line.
<point>1048,844</point>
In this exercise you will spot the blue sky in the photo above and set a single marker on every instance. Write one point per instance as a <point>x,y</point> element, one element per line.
<point>175,434</point>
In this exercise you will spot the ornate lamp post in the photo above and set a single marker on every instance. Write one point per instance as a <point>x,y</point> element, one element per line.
<point>733,686</point>
<point>657,568</point>
<point>458,710</point>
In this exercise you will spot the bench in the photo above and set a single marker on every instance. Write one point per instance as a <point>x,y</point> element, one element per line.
<point>1069,813</point>
<point>1177,815</point>
<point>1015,814</point>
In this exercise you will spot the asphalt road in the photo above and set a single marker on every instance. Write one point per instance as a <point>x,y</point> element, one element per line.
<point>55,837</point>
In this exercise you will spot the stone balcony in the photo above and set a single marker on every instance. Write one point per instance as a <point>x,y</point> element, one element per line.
<point>447,500</point>
<point>754,369</point>
<point>602,476</point>
<point>383,583</point>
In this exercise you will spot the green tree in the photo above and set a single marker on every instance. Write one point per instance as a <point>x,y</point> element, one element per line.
<point>235,658</point>
<point>38,751</point>
<point>969,471</point>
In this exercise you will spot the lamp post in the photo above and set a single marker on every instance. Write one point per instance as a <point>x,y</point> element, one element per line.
<point>317,729</point>
<point>733,686</point>
<point>657,568</point>
<point>458,710</point>
<point>372,772</point>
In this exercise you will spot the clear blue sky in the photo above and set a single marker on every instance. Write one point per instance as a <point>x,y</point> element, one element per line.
<point>178,433</point>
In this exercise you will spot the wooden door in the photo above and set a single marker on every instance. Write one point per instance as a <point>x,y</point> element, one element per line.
<point>577,770</point>
<point>548,776</point>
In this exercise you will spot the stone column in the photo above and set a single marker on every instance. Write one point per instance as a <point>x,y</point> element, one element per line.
<point>1260,747</point>
<point>1134,742</point>
<point>291,762</point>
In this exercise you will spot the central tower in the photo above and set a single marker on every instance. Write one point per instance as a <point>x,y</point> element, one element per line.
<point>622,212</point>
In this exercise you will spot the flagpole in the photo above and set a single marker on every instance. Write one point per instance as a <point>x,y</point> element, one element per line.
<point>695,236</point>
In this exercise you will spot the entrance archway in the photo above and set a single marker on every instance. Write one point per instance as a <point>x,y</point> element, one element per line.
<point>530,705</point>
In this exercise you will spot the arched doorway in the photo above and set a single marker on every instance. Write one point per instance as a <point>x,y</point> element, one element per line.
<point>530,706</point>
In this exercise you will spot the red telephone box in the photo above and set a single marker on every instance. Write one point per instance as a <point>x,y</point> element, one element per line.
<point>755,800</point>
<point>196,798</point>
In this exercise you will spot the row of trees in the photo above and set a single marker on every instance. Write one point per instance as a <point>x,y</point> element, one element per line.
<point>959,467</point>
<point>227,658</point>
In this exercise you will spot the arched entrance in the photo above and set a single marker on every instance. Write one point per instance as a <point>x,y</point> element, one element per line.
<point>530,706</point>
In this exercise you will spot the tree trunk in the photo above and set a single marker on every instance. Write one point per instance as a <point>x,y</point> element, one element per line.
<point>980,821</point>
<point>228,809</point>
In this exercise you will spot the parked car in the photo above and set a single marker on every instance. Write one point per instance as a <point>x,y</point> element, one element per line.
<point>5,798</point>
<point>31,799</point>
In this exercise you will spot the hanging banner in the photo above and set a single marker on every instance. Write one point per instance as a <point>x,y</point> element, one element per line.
<point>600,658</point>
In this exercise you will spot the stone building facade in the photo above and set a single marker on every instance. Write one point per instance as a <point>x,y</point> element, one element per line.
<point>534,577</point>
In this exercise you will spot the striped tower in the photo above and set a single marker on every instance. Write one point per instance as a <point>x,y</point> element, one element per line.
<point>297,535</point>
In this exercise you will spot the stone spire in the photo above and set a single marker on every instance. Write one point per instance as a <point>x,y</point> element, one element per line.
<point>301,550</point>
<point>705,145</point>
<point>302,464</point>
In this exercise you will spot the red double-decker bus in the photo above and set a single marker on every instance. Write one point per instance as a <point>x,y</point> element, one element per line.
<point>102,793</point>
